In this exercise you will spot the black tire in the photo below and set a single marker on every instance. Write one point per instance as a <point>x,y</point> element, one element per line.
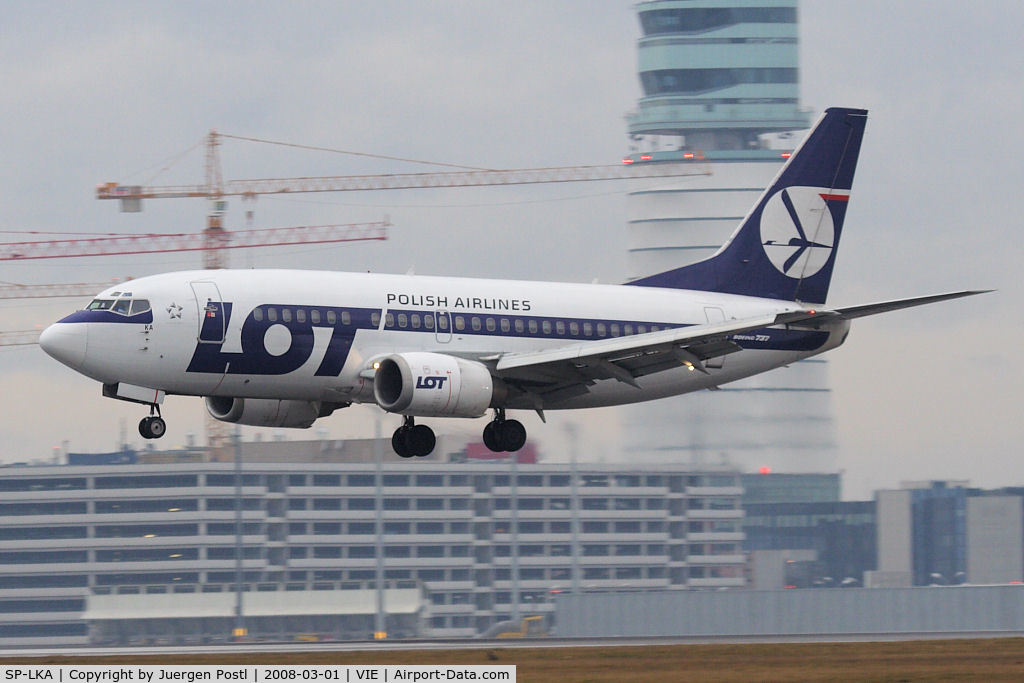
<point>400,442</point>
<point>491,437</point>
<point>421,440</point>
<point>157,427</point>
<point>511,435</point>
<point>144,428</point>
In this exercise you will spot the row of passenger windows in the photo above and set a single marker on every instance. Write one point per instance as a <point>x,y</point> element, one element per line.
<point>315,316</point>
<point>543,326</point>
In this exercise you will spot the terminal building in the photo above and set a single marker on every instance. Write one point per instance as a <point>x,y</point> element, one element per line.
<point>99,553</point>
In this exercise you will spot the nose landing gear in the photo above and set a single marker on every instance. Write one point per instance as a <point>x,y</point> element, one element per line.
<point>504,435</point>
<point>412,440</point>
<point>153,427</point>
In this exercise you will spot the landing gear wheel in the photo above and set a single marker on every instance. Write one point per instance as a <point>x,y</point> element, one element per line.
<point>421,440</point>
<point>512,435</point>
<point>152,427</point>
<point>504,435</point>
<point>157,427</point>
<point>412,440</point>
<point>399,442</point>
<point>491,438</point>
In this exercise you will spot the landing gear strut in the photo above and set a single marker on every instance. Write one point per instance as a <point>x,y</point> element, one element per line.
<point>153,427</point>
<point>412,440</point>
<point>504,435</point>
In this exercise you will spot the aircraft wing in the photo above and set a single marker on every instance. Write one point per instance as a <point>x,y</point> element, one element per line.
<point>566,371</point>
<point>569,369</point>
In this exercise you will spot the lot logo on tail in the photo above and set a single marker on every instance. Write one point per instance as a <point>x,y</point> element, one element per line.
<point>797,230</point>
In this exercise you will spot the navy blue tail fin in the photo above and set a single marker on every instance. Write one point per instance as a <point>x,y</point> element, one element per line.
<point>786,246</point>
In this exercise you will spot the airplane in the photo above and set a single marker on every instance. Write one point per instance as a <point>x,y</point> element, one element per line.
<point>283,348</point>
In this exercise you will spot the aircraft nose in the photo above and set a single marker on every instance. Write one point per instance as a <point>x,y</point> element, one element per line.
<point>66,342</point>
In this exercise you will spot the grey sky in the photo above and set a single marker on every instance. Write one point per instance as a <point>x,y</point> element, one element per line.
<point>98,91</point>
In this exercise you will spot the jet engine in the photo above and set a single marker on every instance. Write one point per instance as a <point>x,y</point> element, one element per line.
<point>435,385</point>
<point>267,412</point>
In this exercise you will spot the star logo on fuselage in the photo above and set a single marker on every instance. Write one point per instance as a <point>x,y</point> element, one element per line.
<point>174,310</point>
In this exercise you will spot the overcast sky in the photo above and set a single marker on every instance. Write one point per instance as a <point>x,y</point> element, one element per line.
<point>98,91</point>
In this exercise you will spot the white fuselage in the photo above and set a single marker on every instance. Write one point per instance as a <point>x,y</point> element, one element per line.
<point>313,336</point>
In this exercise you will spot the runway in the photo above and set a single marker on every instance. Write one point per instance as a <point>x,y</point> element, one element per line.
<point>480,644</point>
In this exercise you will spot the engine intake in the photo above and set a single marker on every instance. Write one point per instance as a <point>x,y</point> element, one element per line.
<point>267,412</point>
<point>435,385</point>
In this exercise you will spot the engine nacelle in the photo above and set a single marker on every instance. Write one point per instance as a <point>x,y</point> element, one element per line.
<point>434,385</point>
<point>267,412</point>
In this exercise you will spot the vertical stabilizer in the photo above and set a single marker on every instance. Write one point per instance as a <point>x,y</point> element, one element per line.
<point>786,246</point>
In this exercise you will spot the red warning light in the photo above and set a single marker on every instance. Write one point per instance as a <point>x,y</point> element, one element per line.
<point>764,469</point>
<point>786,155</point>
<point>645,157</point>
<point>688,155</point>
<point>627,160</point>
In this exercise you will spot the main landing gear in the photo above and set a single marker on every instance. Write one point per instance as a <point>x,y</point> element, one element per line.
<point>504,435</point>
<point>412,440</point>
<point>153,427</point>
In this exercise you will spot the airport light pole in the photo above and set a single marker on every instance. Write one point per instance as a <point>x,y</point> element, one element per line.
<point>380,625</point>
<point>239,631</point>
<point>514,530</point>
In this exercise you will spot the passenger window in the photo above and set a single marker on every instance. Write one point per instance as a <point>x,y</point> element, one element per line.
<point>588,329</point>
<point>615,330</point>
<point>286,315</point>
<point>641,329</point>
<point>475,322</point>
<point>272,314</point>
<point>257,314</point>
<point>140,306</point>
<point>403,320</point>
<point>122,306</point>
<point>545,326</point>
<point>560,327</point>
<point>491,325</point>
<point>602,330</point>
<point>428,321</point>
<point>574,328</point>
<point>389,320</point>
<point>505,325</point>
<point>414,319</point>
<point>629,330</point>
<point>314,316</point>
<point>375,319</point>
<point>460,323</point>
<point>520,327</point>
<point>332,318</point>
<point>300,315</point>
<point>346,318</point>
<point>533,326</point>
<point>654,328</point>
<point>442,322</point>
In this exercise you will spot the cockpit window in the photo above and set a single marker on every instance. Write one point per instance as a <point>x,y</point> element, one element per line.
<point>140,306</point>
<point>101,305</point>
<point>122,306</point>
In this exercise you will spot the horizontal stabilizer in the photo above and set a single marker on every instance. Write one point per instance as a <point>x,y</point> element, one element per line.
<point>850,312</point>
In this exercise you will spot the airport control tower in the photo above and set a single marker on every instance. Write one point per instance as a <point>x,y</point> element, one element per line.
<point>720,80</point>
